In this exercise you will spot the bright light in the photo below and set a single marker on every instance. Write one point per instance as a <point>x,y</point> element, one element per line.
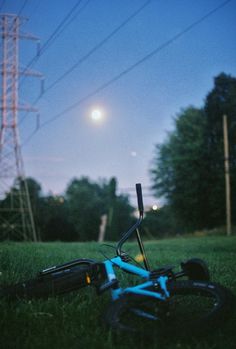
<point>155,207</point>
<point>97,115</point>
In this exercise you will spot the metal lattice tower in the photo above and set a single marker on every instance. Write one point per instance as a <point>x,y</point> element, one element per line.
<point>16,218</point>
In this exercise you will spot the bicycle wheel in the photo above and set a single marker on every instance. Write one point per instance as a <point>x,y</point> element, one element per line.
<point>55,283</point>
<point>193,307</point>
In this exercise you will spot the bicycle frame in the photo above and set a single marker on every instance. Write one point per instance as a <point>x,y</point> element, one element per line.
<point>140,289</point>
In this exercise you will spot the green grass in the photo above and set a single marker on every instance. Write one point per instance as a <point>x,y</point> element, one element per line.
<point>75,321</point>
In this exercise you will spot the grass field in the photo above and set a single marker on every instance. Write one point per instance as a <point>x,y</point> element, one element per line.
<point>75,320</point>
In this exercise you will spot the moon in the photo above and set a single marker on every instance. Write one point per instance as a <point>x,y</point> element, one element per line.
<point>97,115</point>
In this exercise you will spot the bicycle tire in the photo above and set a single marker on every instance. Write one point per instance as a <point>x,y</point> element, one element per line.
<point>53,284</point>
<point>142,314</point>
<point>196,269</point>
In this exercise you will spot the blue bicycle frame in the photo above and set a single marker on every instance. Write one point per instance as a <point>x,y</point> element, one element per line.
<point>140,289</point>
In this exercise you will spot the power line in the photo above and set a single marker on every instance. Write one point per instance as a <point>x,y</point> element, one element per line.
<point>22,7</point>
<point>131,67</point>
<point>136,64</point>
<point>90,52</point>
<point>19,12</point>
<point>57,32</point>
<point>58,28</point>
<point>98,46</point>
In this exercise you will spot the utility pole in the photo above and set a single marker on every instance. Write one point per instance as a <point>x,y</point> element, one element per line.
<point>227,175</point>
<point>16,217</point>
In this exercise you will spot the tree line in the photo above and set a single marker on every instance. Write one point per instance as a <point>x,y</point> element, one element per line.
<point>76,215</point>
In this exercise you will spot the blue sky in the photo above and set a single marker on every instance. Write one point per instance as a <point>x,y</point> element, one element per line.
<point>138,108</point>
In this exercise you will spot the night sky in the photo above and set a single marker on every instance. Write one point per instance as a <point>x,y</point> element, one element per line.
<point>104,38</point>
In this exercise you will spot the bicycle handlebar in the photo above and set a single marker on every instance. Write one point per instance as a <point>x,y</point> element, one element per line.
<point>140,198</point>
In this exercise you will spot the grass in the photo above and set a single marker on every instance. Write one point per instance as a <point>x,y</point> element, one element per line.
<point>75,320</point>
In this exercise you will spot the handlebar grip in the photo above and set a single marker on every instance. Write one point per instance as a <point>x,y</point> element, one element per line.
<point>140,198</point>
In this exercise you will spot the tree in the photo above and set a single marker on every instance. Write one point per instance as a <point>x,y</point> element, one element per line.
<point>53,219</point>
<point>180,172</point>
<point>118,209</point>
<point>88,201</point>
<point>221,100</point>
<point>122,218</point>
<point>76,216</point>
<point>85,207</point>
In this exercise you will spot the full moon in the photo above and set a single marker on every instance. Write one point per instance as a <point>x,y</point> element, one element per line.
<point>96,115</point>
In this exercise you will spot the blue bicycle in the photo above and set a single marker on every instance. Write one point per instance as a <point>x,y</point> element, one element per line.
<point>160,299</point>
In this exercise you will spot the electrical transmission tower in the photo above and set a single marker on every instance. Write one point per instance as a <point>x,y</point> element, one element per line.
<point>16,218</point>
